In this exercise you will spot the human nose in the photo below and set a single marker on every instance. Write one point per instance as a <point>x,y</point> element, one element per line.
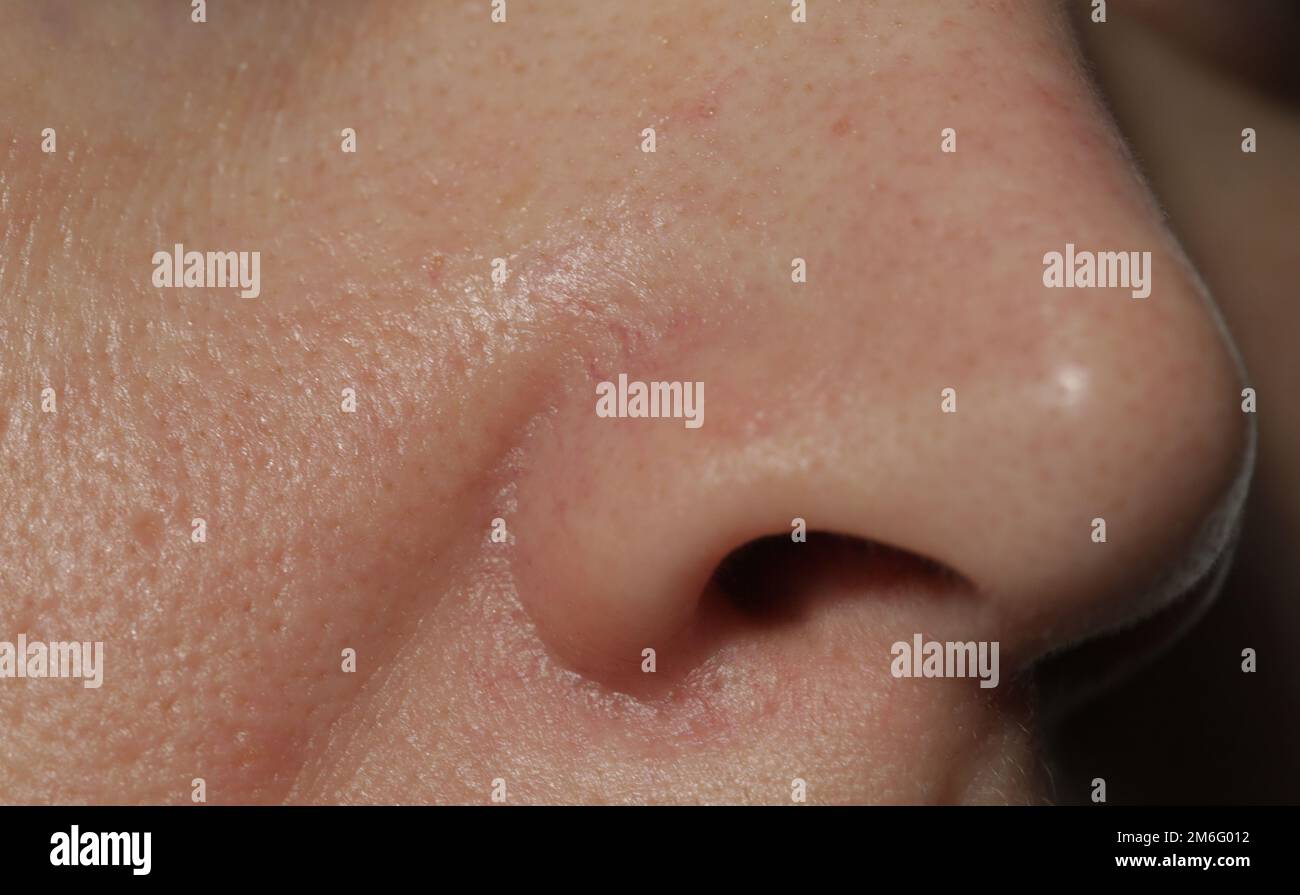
<point>1072,448</point>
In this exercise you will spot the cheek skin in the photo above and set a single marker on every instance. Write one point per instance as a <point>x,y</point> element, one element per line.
<point>369,531</point>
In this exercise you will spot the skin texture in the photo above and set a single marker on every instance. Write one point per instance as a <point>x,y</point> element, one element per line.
<point>369,531</point>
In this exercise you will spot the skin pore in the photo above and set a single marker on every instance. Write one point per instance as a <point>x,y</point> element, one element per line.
<point>369,531</point>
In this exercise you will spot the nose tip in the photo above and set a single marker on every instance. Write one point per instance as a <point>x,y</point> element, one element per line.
<point>1121,476</point>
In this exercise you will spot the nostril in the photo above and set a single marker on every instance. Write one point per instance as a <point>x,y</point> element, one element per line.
<point>774,580</point>
<point>756,579</point>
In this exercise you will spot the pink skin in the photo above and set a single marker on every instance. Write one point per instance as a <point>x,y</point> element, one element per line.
<point>521,661</point>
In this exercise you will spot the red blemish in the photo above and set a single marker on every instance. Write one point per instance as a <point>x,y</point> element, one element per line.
<point>434,268</point>
<point>842,126</point>
<point>705,107</point>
